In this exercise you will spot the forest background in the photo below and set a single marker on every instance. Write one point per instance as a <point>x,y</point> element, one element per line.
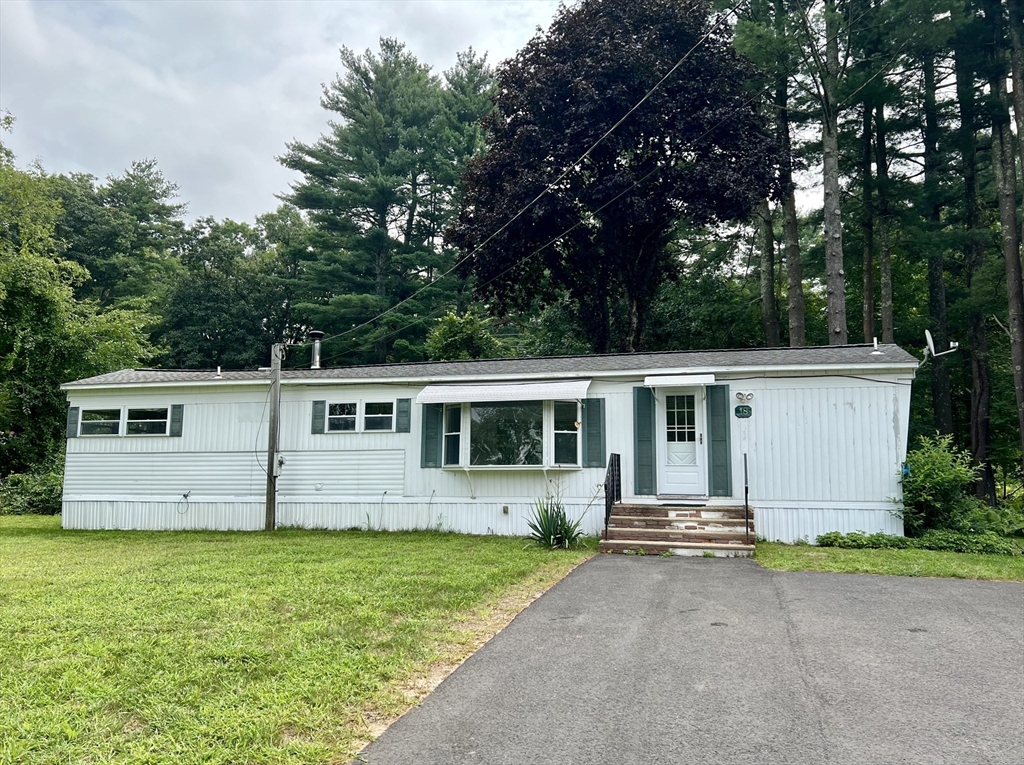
<point>625,182</point>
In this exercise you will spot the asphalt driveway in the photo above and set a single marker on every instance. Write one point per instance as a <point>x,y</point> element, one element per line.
<point>692,660</point>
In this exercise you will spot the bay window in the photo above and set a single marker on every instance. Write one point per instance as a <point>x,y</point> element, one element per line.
<point>510,434</point>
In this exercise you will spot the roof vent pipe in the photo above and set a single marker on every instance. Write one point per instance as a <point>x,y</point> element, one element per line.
<point>317,336</point>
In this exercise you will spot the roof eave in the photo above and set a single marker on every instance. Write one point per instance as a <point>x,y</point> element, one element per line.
<point>764,370</point>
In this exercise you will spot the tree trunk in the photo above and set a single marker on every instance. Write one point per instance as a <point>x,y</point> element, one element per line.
<point>1003,166</point>
<point>974,252</point>
<point>835,286</point>
<point>942,399</point>
<point>867,226</point>
<point>769,307</point>
<point>1017,73</point>
<point>790,229</point>
<point>794,277</point>
<point>1005,172</point>
<point>884,212</point>
<point>981,405</point>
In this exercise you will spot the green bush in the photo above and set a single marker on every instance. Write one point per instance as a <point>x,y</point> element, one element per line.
<point>987,542</point>
<point>31,493</point>
<point>551,527</point>
<point>1006,520</point>
<point>938,487</point>
<point>859,541</point>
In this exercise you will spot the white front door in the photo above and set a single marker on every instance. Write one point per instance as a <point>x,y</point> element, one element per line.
<point>681,441</point>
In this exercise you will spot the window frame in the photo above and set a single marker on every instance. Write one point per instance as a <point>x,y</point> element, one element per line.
<point>120,418</point>
<point>354,416</point>
<point>547,438</point>
<point>457,434</point>
<point>391,416</point>
<point>360,416</point>
<point>123,411</point>
<point>166,421</point>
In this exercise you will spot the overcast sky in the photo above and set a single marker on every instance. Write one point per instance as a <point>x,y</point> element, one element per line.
<point>212,89</point>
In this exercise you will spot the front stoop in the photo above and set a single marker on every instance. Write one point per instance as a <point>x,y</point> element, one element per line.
<point>679,530</point>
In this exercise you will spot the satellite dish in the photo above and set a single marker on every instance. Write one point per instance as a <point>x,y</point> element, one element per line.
<point>930,350</point>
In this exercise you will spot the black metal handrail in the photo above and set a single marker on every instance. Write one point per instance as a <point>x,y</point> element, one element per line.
<point>612,487</point>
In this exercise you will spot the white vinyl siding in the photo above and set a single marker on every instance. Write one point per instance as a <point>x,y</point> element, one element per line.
<point>822,452</point>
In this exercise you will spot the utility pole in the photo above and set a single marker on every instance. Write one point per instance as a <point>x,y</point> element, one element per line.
<point>276,352</point>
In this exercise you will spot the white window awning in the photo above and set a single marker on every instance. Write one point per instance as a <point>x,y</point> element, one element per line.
<point>678,381</point>
<point>524,391</point>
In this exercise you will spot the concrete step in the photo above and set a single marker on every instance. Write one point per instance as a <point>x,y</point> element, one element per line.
<point>646,547</point>
<point>679,511</point>
<point>653,522</point>
<point>680,535</point>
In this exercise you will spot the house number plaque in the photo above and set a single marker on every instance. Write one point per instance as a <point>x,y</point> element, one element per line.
<point>743,411</point>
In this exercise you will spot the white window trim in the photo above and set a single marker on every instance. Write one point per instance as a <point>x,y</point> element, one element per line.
<point>547,448</point>
<point>122,422</point>
<point>360,416</point>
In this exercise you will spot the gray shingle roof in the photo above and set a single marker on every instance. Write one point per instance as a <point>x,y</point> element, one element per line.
<point>843,355</point>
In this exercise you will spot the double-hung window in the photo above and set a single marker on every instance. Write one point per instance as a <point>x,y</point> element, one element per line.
<point>452,433</point>
<point>146,422</point>
<point>567,429</point>
<point>341,417</point>
<point>101,422</point>
<point>379,415</point>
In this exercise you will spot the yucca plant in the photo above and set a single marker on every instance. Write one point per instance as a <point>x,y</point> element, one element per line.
<point>551,527</point>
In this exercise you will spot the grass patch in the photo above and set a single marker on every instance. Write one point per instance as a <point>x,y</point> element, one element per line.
<point>893,562</point>
<point>189,647</point>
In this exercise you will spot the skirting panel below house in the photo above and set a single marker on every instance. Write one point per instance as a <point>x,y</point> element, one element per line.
<point>173,516</point>
<point>790,524</point>
<point>466,517</point>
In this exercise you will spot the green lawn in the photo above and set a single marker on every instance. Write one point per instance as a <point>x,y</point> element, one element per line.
<point>894,562</point>
<point>189,647</point>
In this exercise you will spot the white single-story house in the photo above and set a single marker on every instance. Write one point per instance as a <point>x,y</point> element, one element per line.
<point>814,437</point>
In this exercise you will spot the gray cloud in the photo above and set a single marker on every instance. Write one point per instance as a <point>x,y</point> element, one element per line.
<point>212,90</point>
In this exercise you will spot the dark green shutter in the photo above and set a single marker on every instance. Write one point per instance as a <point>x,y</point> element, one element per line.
<point>593,433</point>
<point>403,421</point>
<point>319,412</point>
<point>719,451</point>
<point>644,429</point>
<point>433,435</point>
<point>72,431</point>
<point>177,415</point>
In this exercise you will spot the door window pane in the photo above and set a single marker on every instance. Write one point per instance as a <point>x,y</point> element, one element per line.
<point>680,419</point>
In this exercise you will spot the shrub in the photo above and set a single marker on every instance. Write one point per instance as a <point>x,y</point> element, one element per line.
<point>31,493</point>
<point>938,485</point>
<point>551,527</point>
<point>858,540</point>
<point>988,543</point>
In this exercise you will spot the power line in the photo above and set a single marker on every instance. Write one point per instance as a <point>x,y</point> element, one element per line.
<point>551,185</point>
<point>753,96</point>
